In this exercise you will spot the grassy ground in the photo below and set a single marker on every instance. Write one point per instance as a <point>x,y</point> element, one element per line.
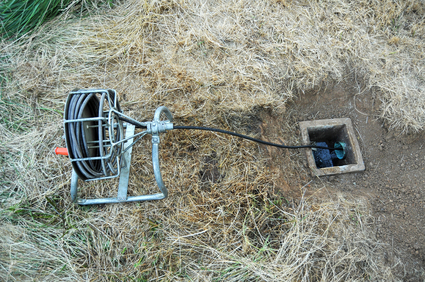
<point>216,63</point>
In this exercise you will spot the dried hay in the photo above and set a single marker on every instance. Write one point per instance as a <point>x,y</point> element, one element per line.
<point>214,63</point>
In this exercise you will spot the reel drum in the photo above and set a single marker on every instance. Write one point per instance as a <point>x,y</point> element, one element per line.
<point>93,132</point>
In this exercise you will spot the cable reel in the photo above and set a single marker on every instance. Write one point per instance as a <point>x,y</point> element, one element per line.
<point>99,141</point>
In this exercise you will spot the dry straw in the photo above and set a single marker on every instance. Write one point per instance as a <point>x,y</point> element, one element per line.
<point>219,63</point>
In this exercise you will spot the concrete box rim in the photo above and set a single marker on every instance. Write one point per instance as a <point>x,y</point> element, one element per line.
<point>305,126</point>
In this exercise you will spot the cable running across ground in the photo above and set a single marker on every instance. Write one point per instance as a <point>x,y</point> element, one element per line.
<point>240,136</point>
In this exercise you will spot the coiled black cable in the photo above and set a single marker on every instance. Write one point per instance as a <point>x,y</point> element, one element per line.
<point>78,106</point>
<point>87,141</point>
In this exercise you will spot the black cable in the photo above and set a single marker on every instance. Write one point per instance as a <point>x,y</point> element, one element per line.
<point>237,135</point>
<point>78,105</point>
<point>252,139</point>
<point>132,122</point>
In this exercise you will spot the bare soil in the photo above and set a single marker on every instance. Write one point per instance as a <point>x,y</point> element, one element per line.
<point>394,179</point>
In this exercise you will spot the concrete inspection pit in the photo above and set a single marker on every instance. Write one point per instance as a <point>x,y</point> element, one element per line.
<point>326,133</point>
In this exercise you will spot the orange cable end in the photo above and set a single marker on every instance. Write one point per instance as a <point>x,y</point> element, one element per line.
<point>61,151</point>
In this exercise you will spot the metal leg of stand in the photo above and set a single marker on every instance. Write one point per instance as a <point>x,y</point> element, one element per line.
<point>74,186</point>
<point>125,171</point>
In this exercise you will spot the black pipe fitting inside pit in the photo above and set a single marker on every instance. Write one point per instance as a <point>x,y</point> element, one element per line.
<point>333,137</point>
<point>327,158</point>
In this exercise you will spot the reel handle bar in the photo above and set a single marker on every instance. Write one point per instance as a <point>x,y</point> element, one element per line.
<point>156,127</point>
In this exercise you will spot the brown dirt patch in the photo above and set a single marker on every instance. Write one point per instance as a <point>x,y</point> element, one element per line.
<point>393,182</point>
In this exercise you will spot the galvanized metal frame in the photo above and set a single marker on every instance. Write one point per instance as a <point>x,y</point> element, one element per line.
<point>124,157</point>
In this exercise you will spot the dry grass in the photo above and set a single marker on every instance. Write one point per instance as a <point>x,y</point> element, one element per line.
<point>216,63</point>
<point>236,54</point>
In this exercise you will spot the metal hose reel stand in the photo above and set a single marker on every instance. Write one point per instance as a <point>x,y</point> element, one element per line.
<point>94,133</point>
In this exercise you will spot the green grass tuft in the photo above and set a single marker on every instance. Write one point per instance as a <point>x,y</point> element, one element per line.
<point>19,17</point>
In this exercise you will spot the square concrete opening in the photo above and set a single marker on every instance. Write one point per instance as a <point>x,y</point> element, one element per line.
<point>330,131</point>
